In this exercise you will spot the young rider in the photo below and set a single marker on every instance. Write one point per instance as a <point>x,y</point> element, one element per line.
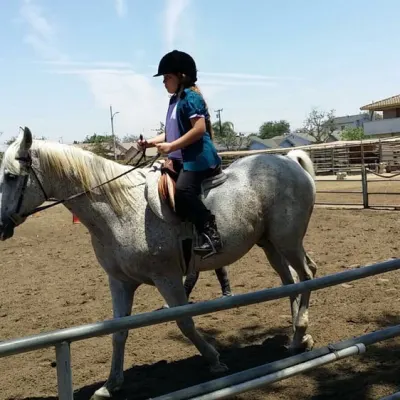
<point>188,143</point>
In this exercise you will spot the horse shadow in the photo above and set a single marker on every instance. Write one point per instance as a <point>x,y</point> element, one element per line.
<point>151,380</point>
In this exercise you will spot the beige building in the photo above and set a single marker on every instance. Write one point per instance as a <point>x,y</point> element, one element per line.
<point>389,124</point>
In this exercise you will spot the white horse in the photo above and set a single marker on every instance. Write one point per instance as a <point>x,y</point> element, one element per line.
<point>265,200</point>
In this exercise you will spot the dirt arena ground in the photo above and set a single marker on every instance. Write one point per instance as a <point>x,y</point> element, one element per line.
<point>50,280</point>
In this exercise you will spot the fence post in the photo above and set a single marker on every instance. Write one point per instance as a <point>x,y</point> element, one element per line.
<point>64,372</point>
<point>364,183</point>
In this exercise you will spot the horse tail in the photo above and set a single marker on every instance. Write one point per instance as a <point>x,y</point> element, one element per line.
<point>166,189</point>
<point>301,157</point>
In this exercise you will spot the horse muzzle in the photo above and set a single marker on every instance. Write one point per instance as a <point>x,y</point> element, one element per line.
<point>7,230</point>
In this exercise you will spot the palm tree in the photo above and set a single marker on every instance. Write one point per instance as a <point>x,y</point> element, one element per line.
<point>227,129</point>
<point>227,136</point>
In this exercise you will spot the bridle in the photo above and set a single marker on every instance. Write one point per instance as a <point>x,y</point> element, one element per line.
<point>16,218</point>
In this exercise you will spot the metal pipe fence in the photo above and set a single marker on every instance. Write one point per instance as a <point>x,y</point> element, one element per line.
<point>230,391</point>
<point>365,193</point>
<point>62,338</point>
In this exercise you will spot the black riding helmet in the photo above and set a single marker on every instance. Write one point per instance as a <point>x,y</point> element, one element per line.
<point>176,62</point>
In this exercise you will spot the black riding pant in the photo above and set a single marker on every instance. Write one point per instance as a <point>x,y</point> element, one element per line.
<point>188,205</point>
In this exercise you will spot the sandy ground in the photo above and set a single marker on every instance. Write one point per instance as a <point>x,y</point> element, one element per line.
<point>51,280</point>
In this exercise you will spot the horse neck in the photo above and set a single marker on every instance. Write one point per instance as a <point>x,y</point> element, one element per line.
<point>92,209</point>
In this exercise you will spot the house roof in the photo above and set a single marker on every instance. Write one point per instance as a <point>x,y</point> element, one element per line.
<point>384,104</point>
<point>299,140</point>
<point>271,143</point>
<point>296,139</point>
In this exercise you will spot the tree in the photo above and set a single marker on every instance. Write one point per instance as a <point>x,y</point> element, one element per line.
<point>130,138</point>
<point>270,129</point>
<point>102,145</point>
<point>352,134</point>
<point>95,138</point>
<point>319,125</point>
<point>227,136</point>
<point>161,129</point>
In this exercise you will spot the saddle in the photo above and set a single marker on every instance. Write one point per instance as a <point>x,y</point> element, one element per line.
<point>161,185</point>
<point>167,183</point>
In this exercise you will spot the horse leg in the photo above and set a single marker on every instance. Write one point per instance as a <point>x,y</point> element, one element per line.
<point>172,289</point>
<point>222,275</point>
<point>122,294</point>
<point>287,274</point>
<point>306,270</point>
<point>190,282</point>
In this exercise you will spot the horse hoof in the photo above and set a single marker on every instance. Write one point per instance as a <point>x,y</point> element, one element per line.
<point>101,394</point>
<point>219,368</point>
<point>306,344</point>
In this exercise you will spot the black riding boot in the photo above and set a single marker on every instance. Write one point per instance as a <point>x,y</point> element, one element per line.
<point>212,240</point>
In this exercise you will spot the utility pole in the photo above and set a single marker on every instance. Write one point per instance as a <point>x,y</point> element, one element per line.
<point>218,112</point>
<point>112,131</point>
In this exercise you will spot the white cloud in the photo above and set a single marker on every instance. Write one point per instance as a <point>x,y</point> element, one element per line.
<point>233,79</point>
<point>41,33</point>
<point>238,83</point>
<point>121,8</point>
<point>92,64</point>
<point>141,104</point>
<point>246,76</point>
<point>204,76</point>
<point>173,12</point>
<point>85,71</point>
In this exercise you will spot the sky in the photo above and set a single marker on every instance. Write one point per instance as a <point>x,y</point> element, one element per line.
<point>63,63</point>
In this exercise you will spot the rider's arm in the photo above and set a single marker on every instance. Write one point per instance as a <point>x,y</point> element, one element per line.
<point>157,139</point>
<point>197,131</point>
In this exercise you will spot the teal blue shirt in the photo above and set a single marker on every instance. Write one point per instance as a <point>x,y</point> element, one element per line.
<point>201,154</point>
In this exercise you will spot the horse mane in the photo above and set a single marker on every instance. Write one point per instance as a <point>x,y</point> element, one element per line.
<point>80,167</point>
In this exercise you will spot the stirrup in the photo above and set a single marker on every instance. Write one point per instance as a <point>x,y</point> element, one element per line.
<point>211,253</point>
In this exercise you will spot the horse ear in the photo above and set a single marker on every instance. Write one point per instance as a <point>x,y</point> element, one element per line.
<point>26,141</point>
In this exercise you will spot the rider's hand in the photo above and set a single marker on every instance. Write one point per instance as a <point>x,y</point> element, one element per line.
<point>164,148</point>
<point>142,144</point>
